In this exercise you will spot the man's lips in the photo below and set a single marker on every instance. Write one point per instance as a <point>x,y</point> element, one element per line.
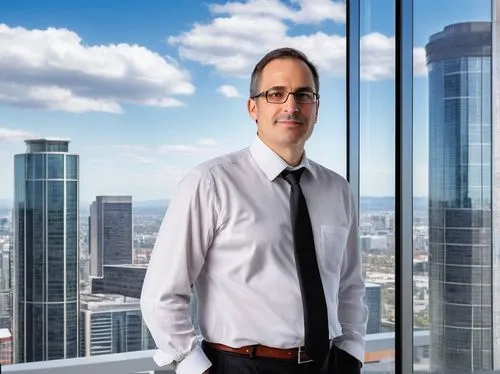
<point>290,122</point>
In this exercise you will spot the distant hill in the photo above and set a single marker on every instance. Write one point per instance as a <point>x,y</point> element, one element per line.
<point>367,203</point>
<point>374,204</point>
<point>163,203</point>
<point>150,206</point>
<point>154,205</point>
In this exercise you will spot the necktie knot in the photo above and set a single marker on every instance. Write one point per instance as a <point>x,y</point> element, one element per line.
<point>292,177</point>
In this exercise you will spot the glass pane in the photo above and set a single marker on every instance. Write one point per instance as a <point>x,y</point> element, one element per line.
<point>35,260</point>
<point>377,110</point>
<point>55,240</point>
<point>71,167</point>
<point>117,232</point>
<point>36,166</point>
<point>55,330</point>
<point>71,232</point>
<point>142,102</point>
<point>101,333</point>
<point>134,331</point>
<point>72,329</point>
<point>55,166</point>
<point>453,316</point>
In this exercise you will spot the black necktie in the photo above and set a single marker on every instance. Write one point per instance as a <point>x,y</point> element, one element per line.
<point>313,296</point>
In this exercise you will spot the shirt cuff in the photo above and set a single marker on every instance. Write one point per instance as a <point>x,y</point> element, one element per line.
<point>196,362</point>
<point>161,358</point>
<point>355,349</point>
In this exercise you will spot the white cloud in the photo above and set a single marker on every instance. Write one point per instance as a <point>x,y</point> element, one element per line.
<point>306,11</point>
<point>9,134</point>
<point>133,148</point>
<point>149,155</point>
<point>377,56</point>
<point>234,43</point>
<point>180,148</point>
<point>207,142</point>
<point>134,153</point>
<point>319,10</point>
<point>231,45</point>
<point>52,98</point>
<point>54,69</point>
<point>228,91</point>
<point>419,62</point>
<point>201,145</point>
<point>145,171</point>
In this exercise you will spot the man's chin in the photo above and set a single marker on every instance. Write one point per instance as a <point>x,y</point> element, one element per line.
<point>292,142</point>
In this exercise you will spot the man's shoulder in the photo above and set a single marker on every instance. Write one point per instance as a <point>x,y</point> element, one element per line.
<point>206,172</point>
<point>323,172</point>
<point>212,165</point>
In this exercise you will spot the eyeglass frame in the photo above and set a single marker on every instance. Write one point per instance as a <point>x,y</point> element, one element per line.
<point>265,93</point>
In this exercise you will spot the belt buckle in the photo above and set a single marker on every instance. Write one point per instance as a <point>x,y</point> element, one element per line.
<point>299,357</point>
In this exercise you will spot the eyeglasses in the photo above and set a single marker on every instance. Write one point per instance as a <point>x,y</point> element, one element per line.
<point>281,96</point>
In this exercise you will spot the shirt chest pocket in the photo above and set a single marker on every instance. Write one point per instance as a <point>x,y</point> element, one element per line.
<point>333,243</point>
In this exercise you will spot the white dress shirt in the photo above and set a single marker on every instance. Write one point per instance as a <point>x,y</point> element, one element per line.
<point>227,230</point>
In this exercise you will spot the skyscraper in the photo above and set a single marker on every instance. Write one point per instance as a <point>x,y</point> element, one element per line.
<point>111,325</point>
<point>462,322</point>
<point>46,252</point>
<point>110,232</point>
<point>5,288</point>
<point>373,300</point>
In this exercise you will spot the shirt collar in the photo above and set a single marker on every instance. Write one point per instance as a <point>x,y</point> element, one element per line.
<point>271,163</point>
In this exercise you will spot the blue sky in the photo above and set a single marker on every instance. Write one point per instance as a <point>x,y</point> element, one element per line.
<point>146,90</point>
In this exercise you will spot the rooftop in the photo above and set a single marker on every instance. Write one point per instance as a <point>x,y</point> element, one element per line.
<point>130,266</point>
<point>47,140</point>
<point>5,333</point>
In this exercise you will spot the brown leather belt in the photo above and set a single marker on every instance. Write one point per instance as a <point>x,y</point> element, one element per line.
<point>264,351</point>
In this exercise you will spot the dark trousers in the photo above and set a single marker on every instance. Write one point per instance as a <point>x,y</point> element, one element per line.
<point>338,362</point>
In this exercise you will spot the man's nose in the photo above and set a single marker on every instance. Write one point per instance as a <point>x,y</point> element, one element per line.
<point>290,105</point>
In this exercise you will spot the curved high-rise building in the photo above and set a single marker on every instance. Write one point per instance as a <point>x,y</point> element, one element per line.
<point>46,287</point>
<point>460,231</point>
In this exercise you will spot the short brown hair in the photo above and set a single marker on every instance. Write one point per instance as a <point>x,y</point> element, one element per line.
<point>273,55</point>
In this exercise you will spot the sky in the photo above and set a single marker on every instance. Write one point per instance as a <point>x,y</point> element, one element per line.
<point>147,90</point>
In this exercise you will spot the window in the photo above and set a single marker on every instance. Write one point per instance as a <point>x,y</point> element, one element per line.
<point>377,149</point>
<point>125,109</point>
<point>452,176</point>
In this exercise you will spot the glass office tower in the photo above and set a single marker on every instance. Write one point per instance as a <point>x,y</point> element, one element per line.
<point>110,232</point>
<point>111,325</point>
<point>46,288</point>
<point>460,244</point>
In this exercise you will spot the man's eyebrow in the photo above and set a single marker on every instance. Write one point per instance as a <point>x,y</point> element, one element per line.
<point>304,88</point>
<point>299,89</point>
<point>275,88</point>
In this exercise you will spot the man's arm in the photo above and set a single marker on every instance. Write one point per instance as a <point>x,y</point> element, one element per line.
<point>184,237</point>
<point>352,312</point>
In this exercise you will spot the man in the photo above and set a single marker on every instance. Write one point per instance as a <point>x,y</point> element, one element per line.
<point>269,240</point>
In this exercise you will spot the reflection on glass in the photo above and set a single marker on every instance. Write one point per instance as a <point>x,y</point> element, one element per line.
<point>454,316</point>
<point>377,149</point>
<point>459,193</point>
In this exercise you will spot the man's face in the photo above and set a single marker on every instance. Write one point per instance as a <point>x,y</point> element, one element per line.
<point>289,124</point>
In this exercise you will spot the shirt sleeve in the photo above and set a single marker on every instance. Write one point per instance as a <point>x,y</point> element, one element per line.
<point>185,235</point>
<point>352,312</point>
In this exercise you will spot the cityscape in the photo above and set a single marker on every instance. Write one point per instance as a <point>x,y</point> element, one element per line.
<point>80,211</point>
<point>110,318</point>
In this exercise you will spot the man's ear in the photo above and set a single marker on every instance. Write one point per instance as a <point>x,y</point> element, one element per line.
<point>252,109</point>
<point>317,110</point>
